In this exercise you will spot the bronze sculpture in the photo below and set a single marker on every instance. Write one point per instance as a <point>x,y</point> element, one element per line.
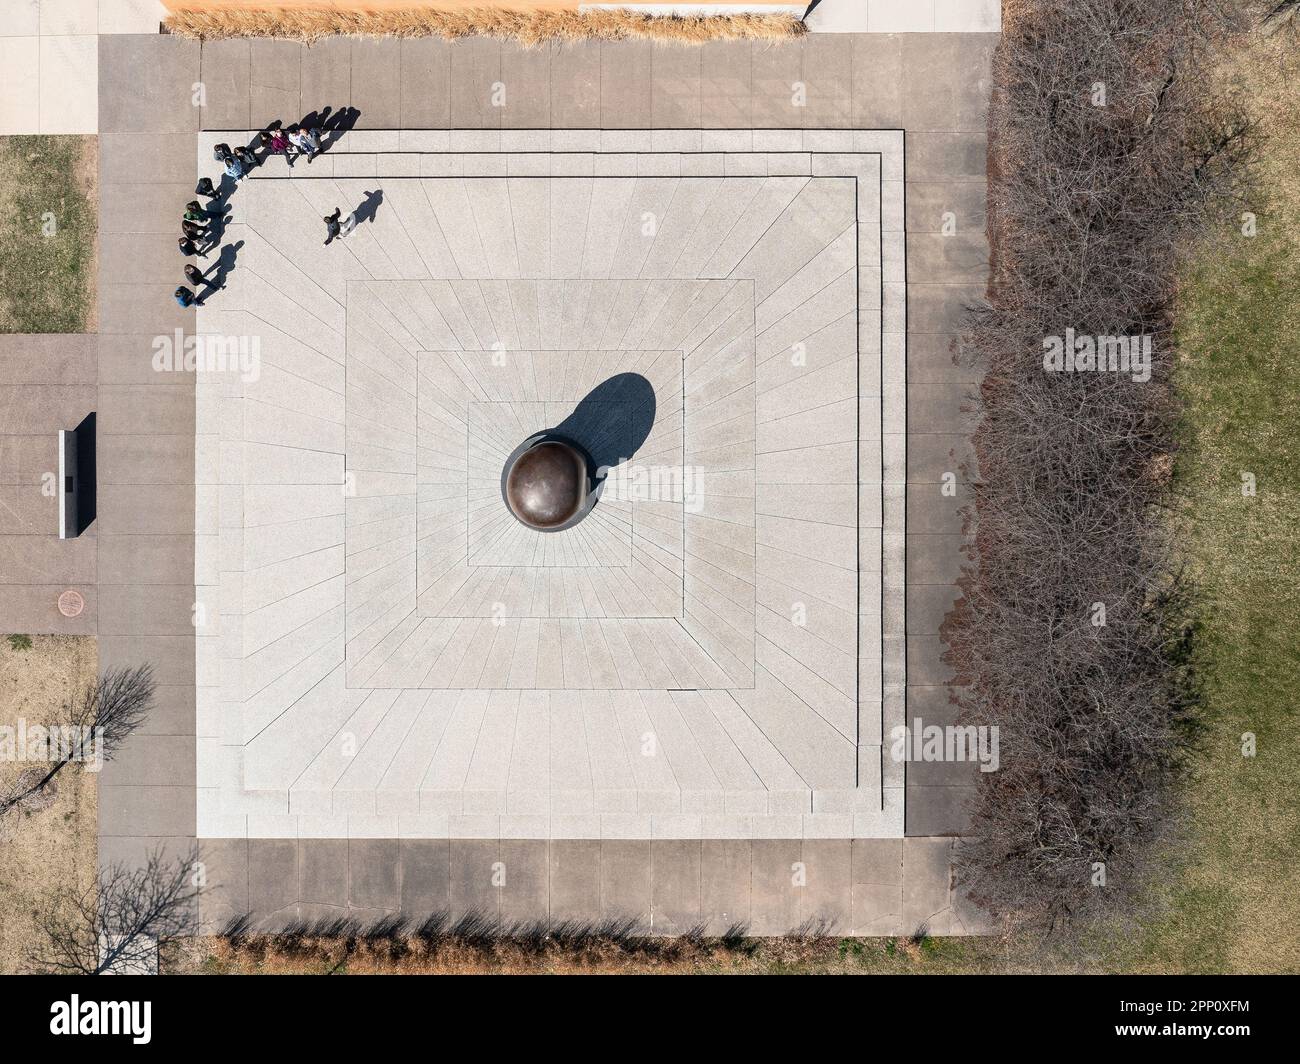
<point>547,483</point>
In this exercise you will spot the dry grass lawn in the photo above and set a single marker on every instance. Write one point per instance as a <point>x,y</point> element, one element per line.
<point>527,27</point>
<point>55,846</point>
<point>48,234</point>
<point>1233,891</point>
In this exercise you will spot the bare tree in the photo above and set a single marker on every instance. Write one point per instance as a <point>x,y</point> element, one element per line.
<point>1104,152</point>
<point>106,713</point>
<point>118,923</point>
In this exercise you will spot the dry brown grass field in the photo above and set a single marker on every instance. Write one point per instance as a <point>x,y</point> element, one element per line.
<point>53,847</point>
<point>48,234</point>
<point>528,27</point>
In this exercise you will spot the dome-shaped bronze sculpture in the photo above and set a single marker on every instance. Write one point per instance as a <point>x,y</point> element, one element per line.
<point>547,483</point>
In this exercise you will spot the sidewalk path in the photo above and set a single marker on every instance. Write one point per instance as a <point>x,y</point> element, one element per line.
<point>49,59</point>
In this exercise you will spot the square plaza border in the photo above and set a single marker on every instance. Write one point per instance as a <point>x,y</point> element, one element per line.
<point>613,613</point>
<point>242,798</point>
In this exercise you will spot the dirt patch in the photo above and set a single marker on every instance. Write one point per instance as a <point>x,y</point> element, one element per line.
<point>52,842</point>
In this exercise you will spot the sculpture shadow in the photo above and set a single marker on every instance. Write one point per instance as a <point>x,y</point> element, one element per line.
<point>613,420</point>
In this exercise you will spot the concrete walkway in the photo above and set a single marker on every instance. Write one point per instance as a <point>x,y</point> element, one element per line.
<point>49,59</point>
<point>766,886</point>
<point>906,16</point>
<point>49,55</point>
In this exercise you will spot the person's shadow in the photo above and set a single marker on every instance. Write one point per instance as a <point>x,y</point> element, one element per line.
<point>218,218</point>
<point>215,279</point>
<point>613,420</point>
<point>366,211</point>
<point>331,123</point>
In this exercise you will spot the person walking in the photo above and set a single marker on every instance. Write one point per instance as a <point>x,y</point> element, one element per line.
<point>184,297</point>
<point>332,228</point>
<point>234,168</point>
<point>196,213</point>
<point>187,246</point>
<point>246,158</point>
<point>194,275</point>
<point>206,188</point>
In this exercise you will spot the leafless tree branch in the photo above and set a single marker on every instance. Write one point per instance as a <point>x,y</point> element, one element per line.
<point>117,924</point>
<point>108,710</point>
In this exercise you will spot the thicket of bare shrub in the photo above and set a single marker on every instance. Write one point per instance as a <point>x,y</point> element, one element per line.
<point>1090,203</point>
<point>478,943</point>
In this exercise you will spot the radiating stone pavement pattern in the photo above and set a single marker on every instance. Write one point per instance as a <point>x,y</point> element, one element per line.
<point>717,651</point>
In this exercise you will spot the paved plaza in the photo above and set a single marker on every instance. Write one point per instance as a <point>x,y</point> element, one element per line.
<point>392,654</point>
<point>736,273</point>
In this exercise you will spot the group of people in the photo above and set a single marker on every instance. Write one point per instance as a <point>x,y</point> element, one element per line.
<point>279,141</point>
<point>290,142</point>
<point>196,230</point>
<point>196,224</point>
